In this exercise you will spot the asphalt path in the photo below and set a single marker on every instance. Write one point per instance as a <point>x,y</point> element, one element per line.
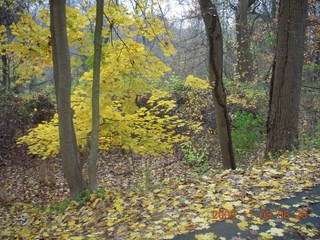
<point>305,205</point>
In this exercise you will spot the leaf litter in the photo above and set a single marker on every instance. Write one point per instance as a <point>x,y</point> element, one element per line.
<point>175,207</point>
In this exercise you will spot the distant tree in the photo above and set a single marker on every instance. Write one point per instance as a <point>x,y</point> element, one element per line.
<point>286,77</point>
<point>215,41</point>
<point>8,15</point>
<point>244,56</point>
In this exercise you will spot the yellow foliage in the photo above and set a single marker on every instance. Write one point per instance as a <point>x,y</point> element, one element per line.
<point>237,99</point>
<point>195,82</point>
<point>127,69</point>
<point>30,48</point>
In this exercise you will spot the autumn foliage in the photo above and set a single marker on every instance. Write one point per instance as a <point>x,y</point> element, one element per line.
<point>128,70</point>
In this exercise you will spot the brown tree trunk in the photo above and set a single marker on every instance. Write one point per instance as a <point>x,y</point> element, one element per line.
<point>244,56</point>
<point>286,77</point>
<point>62,78</point>
<point>214,35</point>
<point>5,73</point>
<point>94,141</point>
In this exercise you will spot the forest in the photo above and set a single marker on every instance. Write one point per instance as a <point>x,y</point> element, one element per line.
<point>159,119</point>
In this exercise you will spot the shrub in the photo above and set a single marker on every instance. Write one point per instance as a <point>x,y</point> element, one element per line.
<point>248,130</point>
<point>17,116</point>
<point>309,142</point>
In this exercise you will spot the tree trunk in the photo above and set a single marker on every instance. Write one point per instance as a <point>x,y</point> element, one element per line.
<point>5,73</point>
<point>316,71</point>
<point>244,61</point>
<point>273,8</point>
<point>214,35</point>
<point>62,78</point>
<point>94,141</point>
<point>286,77</point>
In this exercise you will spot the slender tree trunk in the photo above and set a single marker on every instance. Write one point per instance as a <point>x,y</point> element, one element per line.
<point>213,29</point>
<point>94,141</point>
<point>5,73</point>
<point>244,56</point>
<point>62,77</point>
<point>316,71</point>
<point>273,8</point>
<point>286,77</point>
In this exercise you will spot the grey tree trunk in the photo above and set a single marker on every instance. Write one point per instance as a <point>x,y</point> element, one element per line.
<point>273,8</point>
<point>214,35</point>
<point>62,78</point>
<point>94,141</point>
<point>285,86</point>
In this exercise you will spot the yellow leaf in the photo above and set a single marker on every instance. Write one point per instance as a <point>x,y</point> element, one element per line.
<point>77,238</point>
<point>71,223</point>
<point>227,206</point>
<point>266,235</point>
<point>263,184</point>
<point>206,236</point>
<point>284,162</point>
<point>45,234</point>
<point>170,224</point>
<point>168,236</point>
<point>150,208</point>
<point>243,225</point>
<point>269,163</point>
<point>94,204</point>
<point>295,220</point>
<point>118,204</point>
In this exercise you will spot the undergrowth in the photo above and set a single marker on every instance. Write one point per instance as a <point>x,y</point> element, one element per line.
<point>247,134</point>
<point>197,160</point>
<point>80,199</point>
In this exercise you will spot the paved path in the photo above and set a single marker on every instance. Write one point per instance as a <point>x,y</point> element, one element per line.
<point>307,200</point>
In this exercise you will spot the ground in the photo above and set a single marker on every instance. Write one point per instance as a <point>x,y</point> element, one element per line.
<point>173,206</point>
<point>280,221</point>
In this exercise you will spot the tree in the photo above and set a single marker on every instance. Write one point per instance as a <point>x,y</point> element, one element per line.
<point>214,35</point>
<point>94,142</point>
<point>285,86</point>
<point>123,124</point>
<point>8,15</point>
<point>62,79</point>
<point>12,13</point>
<point>244,56</point>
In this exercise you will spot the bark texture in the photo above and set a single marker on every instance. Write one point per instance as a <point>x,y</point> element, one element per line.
<point>286,77</point>
<point>214,35</point>
<point>5,73</point>
<point>244,56</point>
<point>62,78</point>
<point>94,141</point>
